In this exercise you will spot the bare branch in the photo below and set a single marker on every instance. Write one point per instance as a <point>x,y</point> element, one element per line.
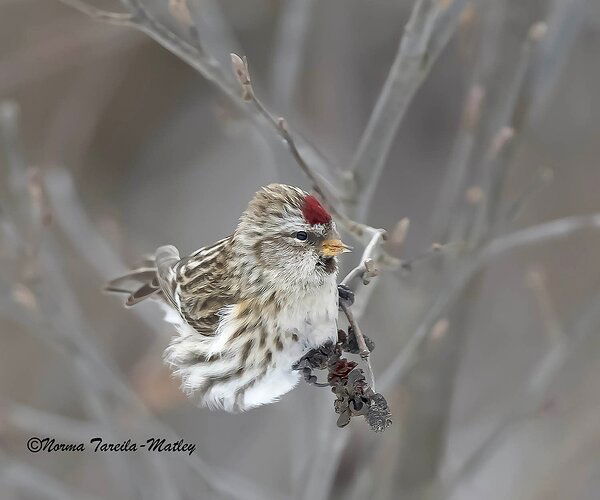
<point>533,398</point>
<point>504,142</point>
<point>201,61</point>
<point>292,34</point>
<point>366,270</point>
<point>446,212</point>
<point>560,228</point>
<point>35,310</point>
<point>240,67</point>
<point>429,28</point>
<point>215,30</point>
<point>452,216</point>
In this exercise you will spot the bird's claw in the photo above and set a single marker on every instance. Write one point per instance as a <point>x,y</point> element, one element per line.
<point>346,295</point>
<point>349,343</point>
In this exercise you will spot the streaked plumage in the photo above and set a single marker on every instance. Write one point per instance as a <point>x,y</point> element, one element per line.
<point>250,305</point>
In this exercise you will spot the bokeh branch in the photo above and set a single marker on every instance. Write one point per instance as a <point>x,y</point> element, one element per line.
<point>427,32</point>
<point>360,231</point>
<point>34,309</point>
<point>121,19</point>
<point>480,373</point>
<point>194,54</point>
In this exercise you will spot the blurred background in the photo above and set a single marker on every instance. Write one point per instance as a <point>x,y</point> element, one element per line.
<point>486,136</point>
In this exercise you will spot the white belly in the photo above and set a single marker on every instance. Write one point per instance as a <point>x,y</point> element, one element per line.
<point>311,319</point>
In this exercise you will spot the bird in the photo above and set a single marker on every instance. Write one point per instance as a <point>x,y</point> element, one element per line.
<point>247,307</point>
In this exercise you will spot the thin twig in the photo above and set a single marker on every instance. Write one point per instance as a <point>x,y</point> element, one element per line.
<point>366,270</point>
<point>242,73</point>
<point>362,232</point>
<point>365,354</point>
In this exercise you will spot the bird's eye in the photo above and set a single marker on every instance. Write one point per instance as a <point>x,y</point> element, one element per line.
<point>301,235</point>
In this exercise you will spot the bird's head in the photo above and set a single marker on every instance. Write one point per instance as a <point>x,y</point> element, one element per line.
<point>289,236</point>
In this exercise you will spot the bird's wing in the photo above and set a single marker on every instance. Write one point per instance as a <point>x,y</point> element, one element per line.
<point>202,288</point>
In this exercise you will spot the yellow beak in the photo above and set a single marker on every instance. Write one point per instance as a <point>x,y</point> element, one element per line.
<point>331,248</point>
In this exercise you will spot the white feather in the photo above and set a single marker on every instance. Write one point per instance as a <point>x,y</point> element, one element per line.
<point>309,314</point>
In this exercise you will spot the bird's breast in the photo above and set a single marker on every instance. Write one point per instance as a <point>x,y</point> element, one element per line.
<point>311,315</point>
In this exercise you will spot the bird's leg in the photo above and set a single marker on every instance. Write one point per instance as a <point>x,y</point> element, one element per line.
<point>346,295</point>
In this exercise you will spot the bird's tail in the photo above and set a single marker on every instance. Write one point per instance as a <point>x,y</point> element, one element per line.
<point>145,281</point>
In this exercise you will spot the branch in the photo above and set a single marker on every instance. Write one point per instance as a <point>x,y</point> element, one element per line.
<point>365,353</point>
<point>452,215</point>
<point>427,32</point>
<point>71,333</point>
<point>198,59</point>
<point>291,42</point>
<point>362,232</point>
<point>504,142</point>
<point>80,231</point>
<point>533,398</point>
<point>218,36</point>
<point>24,192</point>
<point>447,214</point>
<point>366,271</point>
<point>538,234</point>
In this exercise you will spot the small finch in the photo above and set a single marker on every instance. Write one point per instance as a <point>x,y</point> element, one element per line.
<point>249,306</point>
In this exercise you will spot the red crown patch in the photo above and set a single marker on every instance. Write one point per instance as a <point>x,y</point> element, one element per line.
<point>313,211</point>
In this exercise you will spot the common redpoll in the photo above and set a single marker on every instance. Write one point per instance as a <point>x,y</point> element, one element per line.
<point>249,306</point>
